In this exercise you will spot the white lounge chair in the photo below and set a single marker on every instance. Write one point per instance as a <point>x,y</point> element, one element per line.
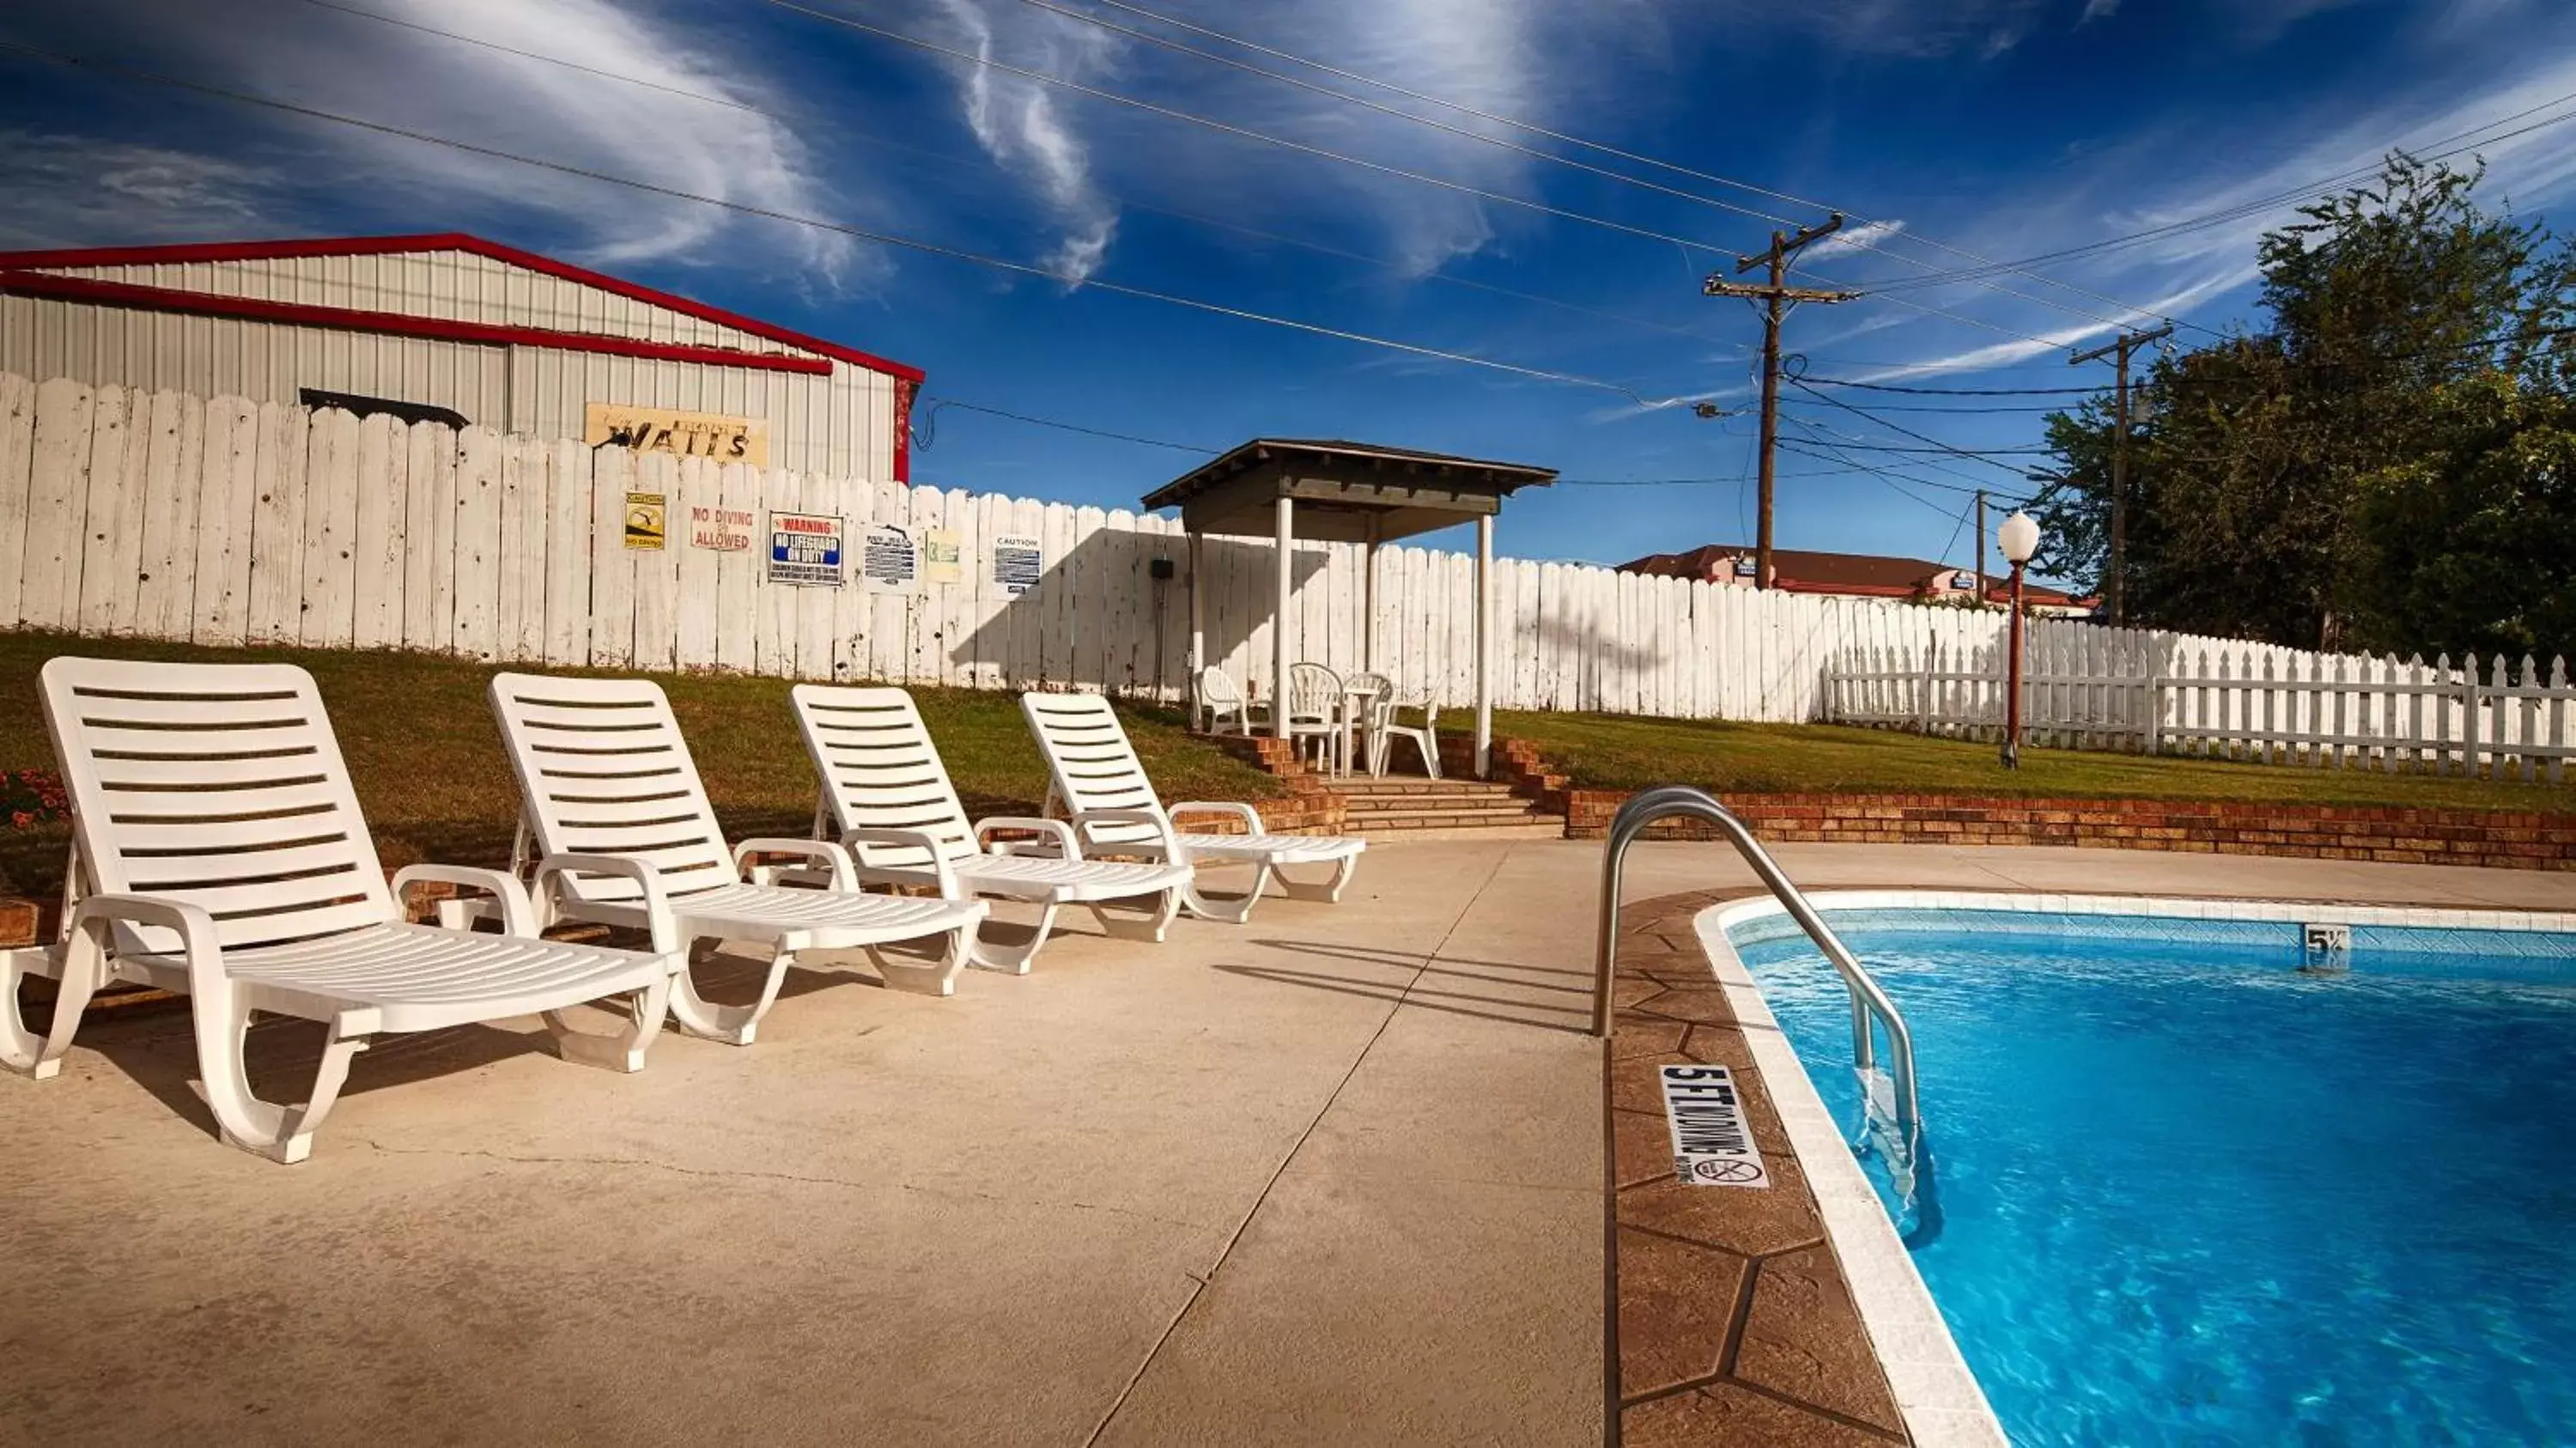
<point>1102,786</point>
<point>218,850</point>
<point>603,771</point>
<point>887,796</point>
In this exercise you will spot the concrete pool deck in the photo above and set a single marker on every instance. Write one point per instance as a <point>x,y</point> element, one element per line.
<point>1332,1176</point>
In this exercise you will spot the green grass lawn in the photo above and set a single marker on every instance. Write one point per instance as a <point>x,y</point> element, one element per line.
<point>420,740</point>
<point>1622,752</point>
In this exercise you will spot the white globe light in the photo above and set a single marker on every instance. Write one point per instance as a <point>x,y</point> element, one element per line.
<point>2020,537</point>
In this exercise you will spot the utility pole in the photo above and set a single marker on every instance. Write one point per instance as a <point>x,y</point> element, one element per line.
<point>2114,589</point>
<point>1981,548</point>
<point>1773,295</point>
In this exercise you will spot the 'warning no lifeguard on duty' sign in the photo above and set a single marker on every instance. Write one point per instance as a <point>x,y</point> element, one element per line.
<point>805,549</point>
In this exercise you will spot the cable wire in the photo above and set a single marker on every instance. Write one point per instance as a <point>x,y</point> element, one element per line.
<point>858,233</point>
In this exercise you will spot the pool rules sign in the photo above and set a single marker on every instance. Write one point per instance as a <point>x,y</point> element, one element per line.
<point>1712,1147</point>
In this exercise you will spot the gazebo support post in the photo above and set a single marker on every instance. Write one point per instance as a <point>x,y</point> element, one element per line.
<point>1484,645</point>
<point>1198,630</point>
<point>1368,601</point>
<point>1287,543</point>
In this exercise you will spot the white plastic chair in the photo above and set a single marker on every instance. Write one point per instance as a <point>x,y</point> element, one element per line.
<point>1370,716</point>
<point>887,796</point>
<point>1315,710</point>
<point>1102,787</point>
<point>603,772</point>
<point>1386,730</point>
<point>1220,696</point>
<point>218,849</point>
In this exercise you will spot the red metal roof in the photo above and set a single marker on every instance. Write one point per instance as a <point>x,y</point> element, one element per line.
<point>19,263</point>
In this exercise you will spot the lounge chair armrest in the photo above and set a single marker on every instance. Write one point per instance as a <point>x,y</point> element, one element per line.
<point>1250,817</point>
<point>1056,830</point>
<point>822,852</point>
<point>196,927</point>
<point>1169,845</point>
<point>657,901</point>
<point>917,839</point>
<point>518,913</point>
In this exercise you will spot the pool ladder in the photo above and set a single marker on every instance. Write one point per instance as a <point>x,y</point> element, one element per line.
<point>1895,1115</point>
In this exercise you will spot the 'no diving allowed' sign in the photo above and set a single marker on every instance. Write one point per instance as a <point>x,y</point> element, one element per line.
<point>1711,1147</point>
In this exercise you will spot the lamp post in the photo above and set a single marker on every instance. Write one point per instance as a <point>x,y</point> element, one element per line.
<point>2020,539</point>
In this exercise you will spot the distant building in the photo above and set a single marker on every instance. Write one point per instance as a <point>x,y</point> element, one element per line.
<point>460,330</point>
<point>1858,575</point>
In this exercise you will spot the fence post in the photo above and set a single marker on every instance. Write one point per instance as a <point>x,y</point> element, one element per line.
<point>2152,692</point>
<point>1923,686</point>
<point>2469,724</point>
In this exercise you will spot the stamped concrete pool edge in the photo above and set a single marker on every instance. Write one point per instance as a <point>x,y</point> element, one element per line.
<point>1733,1317</point>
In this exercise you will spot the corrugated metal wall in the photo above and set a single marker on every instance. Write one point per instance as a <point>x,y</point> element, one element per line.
<point>841,424</point>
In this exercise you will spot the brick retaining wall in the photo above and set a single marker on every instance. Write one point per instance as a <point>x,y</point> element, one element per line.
<point>2507,839</point>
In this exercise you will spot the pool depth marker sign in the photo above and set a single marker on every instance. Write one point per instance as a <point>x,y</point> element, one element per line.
<point>1711,1146</point>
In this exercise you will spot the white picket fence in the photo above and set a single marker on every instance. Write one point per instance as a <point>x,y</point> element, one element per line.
<point>2093,688</point>
<point>168,516</point>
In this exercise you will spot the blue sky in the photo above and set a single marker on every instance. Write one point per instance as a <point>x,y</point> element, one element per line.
<point>1999,129</point>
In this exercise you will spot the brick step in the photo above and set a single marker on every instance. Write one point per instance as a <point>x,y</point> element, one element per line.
<point>1398,797</point>
<point>1512,810</point>
<point>1541,827</point>
<point>1363,788</point>
<point>1397,819</point>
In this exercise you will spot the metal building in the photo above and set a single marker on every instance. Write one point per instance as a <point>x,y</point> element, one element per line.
<point>460,329</point>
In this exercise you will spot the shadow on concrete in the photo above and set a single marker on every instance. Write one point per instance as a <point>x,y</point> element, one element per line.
<point>1497,1003</point>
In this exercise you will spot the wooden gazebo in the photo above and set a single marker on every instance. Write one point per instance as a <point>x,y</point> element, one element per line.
<point>1345,492</point>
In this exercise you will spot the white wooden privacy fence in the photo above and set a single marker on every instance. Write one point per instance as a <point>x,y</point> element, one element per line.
<point>169,516</point>
<point>2091,688</point>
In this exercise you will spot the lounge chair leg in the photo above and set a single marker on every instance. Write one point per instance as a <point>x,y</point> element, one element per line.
<point>618,1050</point>
<point>279,1133</point>
<point>733,1025</point>
<point>1235,914</point>
<point>1329,891</point>
<point>984,955</point>
<point>21,1049</point>
<point>1150,925</point>
<point>939,979</point>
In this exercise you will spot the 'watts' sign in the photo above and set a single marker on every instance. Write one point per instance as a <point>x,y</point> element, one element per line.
<point>689,434</point>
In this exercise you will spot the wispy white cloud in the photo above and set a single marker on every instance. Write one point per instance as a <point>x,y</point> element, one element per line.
<point>1850,239</point>
<point>71,189</point>
<point>739,150</point>
<point>2097,10</point>
<point>1022,126</point>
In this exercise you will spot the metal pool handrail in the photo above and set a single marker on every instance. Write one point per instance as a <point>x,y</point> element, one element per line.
<point>1866,997</point>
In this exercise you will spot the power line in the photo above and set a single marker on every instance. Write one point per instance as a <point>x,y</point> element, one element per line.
<point>858,233</point>
<point>1442,183</point>
<point>888,142</point>
<point>1050,7</point>
<point>1607,150</point>
<point>1950,391</point>
<point>929,413</point>
<point>1984,455</point>
<point>2319,186</point>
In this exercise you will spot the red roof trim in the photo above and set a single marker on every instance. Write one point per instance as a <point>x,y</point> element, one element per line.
<point>451,241</point>
<point>302,314</point>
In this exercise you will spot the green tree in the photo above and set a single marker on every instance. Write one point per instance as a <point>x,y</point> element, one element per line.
<point>2245,514</point>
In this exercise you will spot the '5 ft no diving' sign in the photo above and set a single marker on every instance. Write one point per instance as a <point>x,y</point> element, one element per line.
<point>1711,1146</point>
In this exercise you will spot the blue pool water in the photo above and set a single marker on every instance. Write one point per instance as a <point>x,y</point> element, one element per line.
<point>2189,1194</point>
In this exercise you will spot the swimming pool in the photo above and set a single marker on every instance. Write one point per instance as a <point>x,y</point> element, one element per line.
<point>2186,1191</point>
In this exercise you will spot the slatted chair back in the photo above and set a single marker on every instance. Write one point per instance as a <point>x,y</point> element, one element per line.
<point>603,771</point>
<point>1314,693</point>
<point>1090,761</point>
<point>880,771</point>
<point>1219,693</point>
<point>220,785</point>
